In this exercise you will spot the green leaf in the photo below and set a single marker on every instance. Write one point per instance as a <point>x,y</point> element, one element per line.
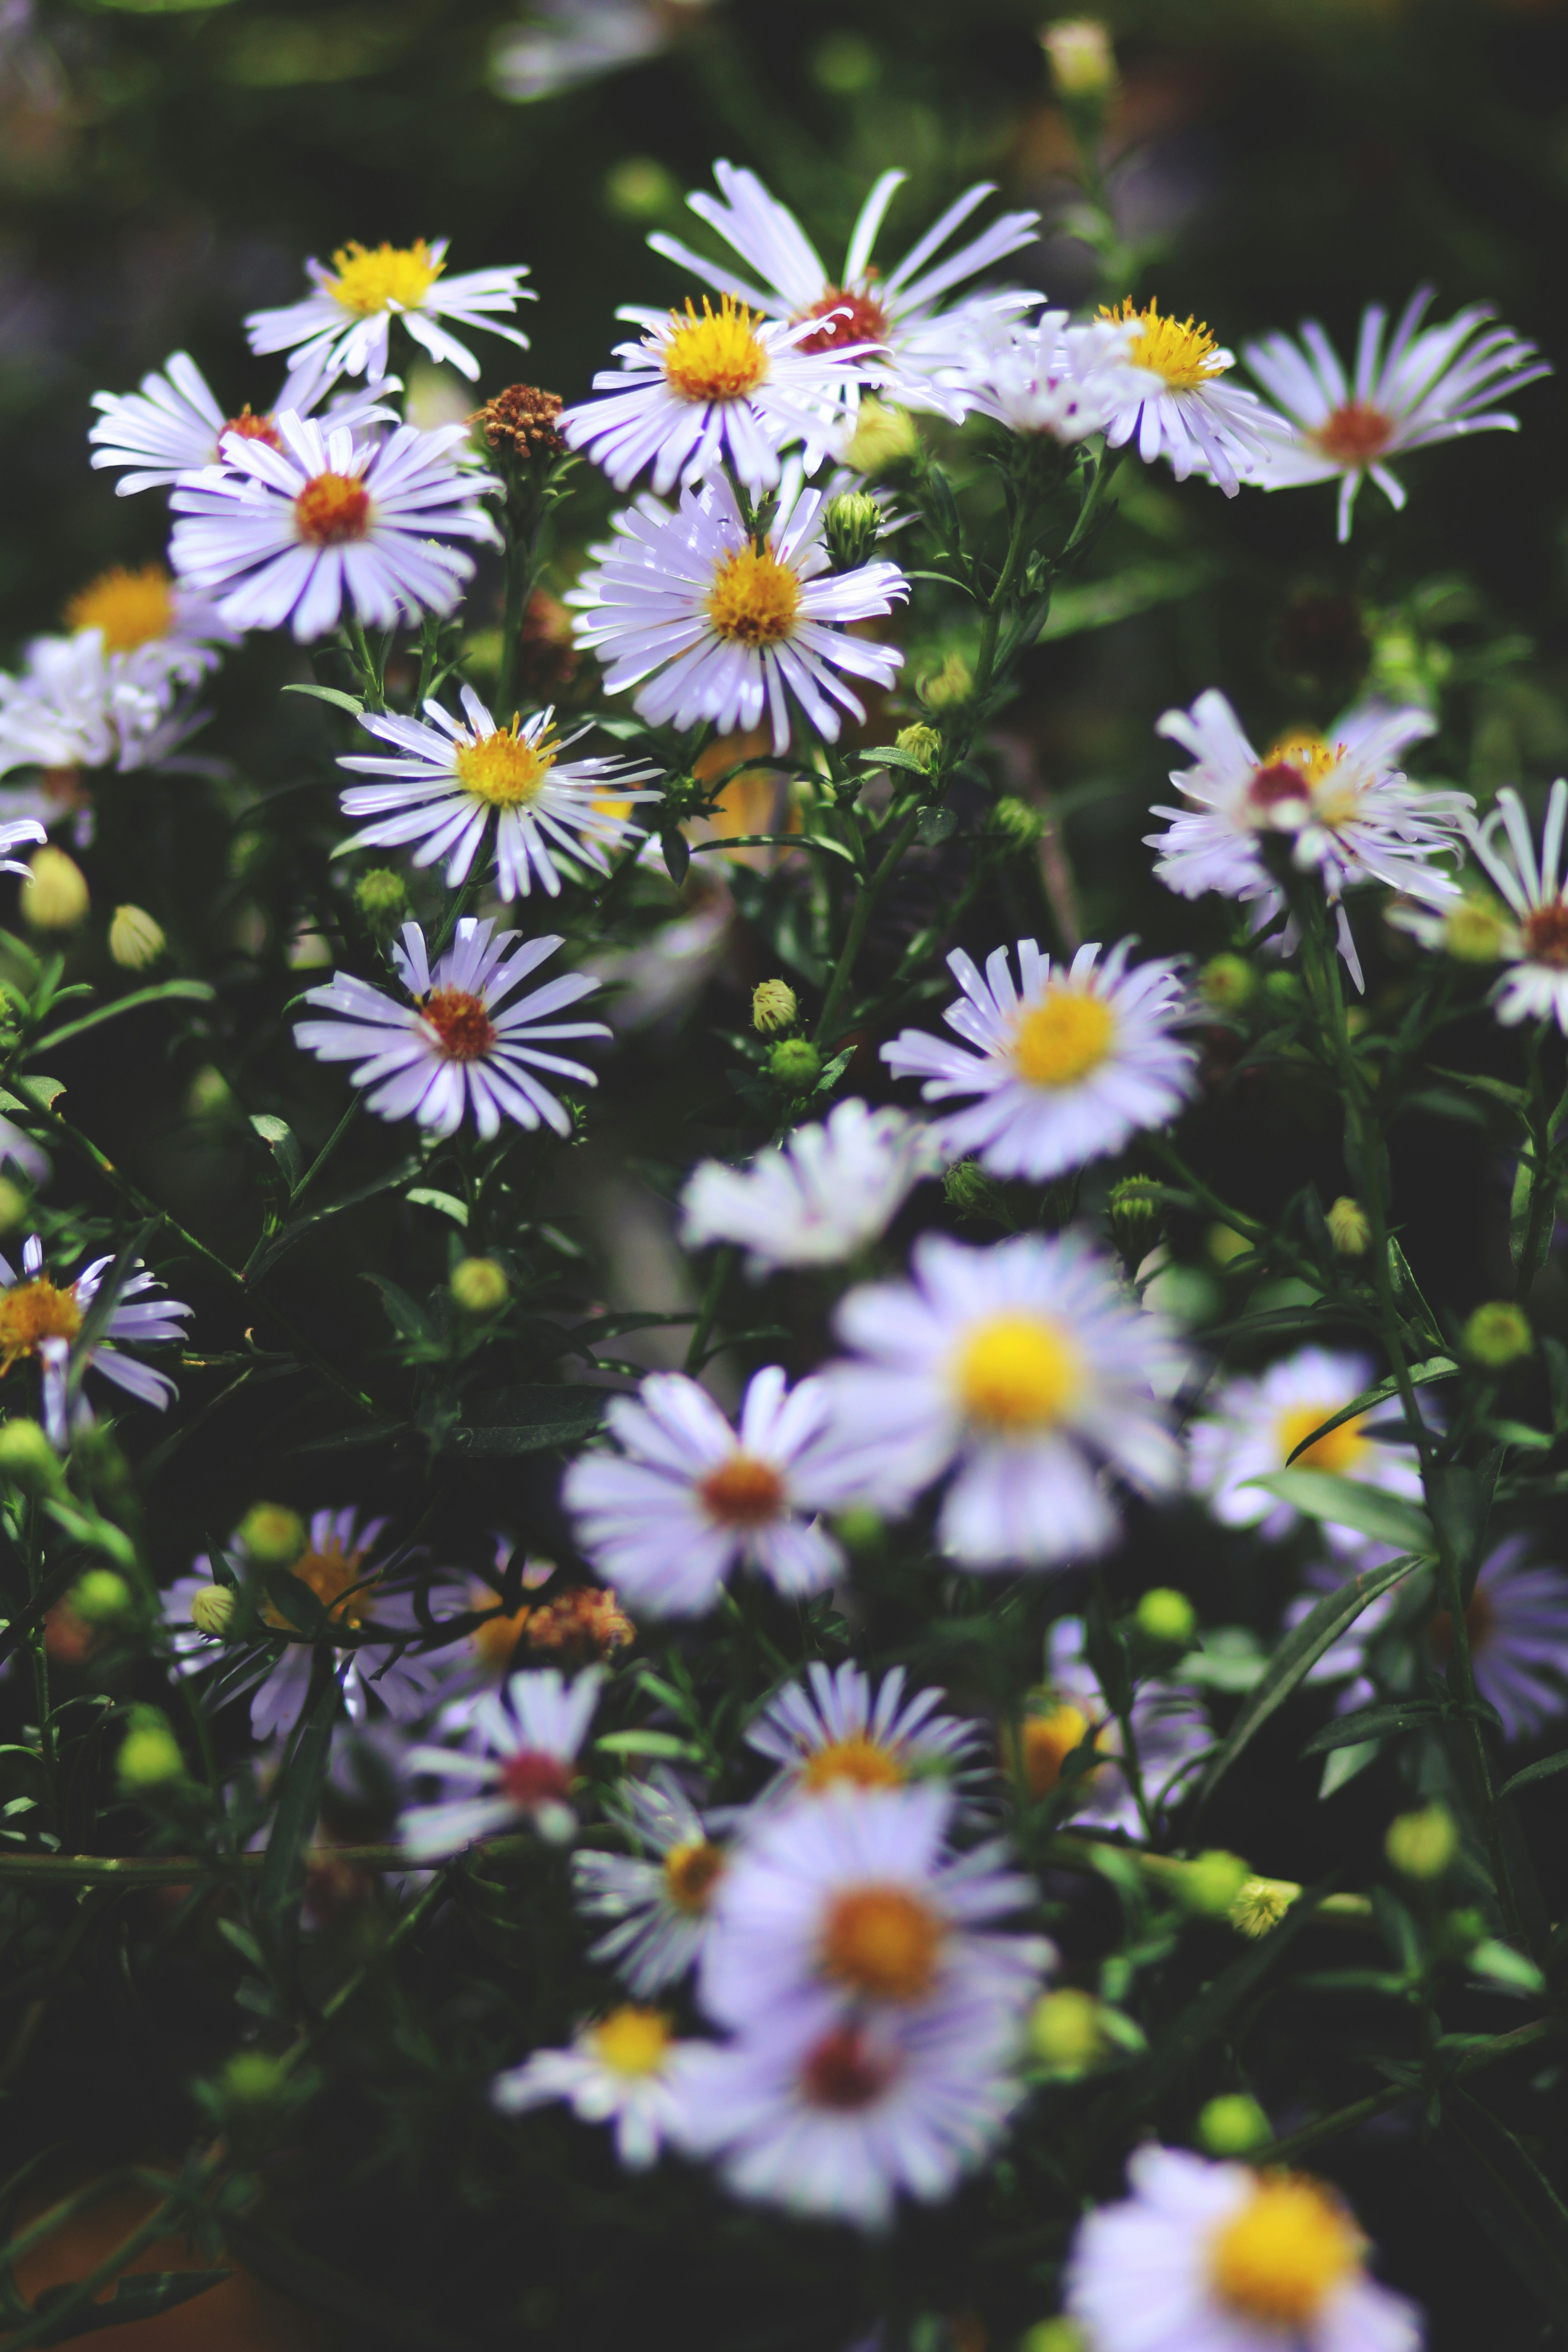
<point>647,1743</point>
<point>528,1419</point>
<point>1341,1764</point>
<point>1408,1296</point>
<point>888,755</point>
<point>1349,1503</point>
<point>424,1197</point>
<point>1517,1099</point>
<point>1505,1966</point>
<point>283,1143</point>
<point>676,854</point>
<point>1374,1723</point>
<point>1547,1769</point>
<point>406,1316</point>
<point>141,2297</point>
<point>1100,603</point>
<point>298,1227</point>
<point>33,1093</point>
<point>282,1880</point>
<point>193,991</point>
<point>1436,1368</point>
<point>1506,2192</point>
<point>340,701</point>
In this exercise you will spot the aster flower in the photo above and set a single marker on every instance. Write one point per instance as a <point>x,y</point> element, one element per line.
<point>1256,1422</point>
<point>174,425</point>
<point>1065,1070</point>
<point>338,1565</point>
<point>450,776</point>
<point>913,346</point>
<point>1535,948</point>
<point>1046,377</point>
<point>457,1046</point>
<point>531,1742</point>
<point>292,533</point>
<point>75,705</point>
<point>828,1192</point>
<point>1020,1367</point>
<point>1433,384</point>
<point>1170,1732</point>
<point>728,628</point>
<point>624,2069</point>
<point>688,1499</point>
<point>1187,416</point>
<point>156,631</point>
<point>1518,1626</point>
<point>834,1727</point>
<point>41,1319</point>
<point>1218,2258</point>
<point>566,42</point>
<point>345,320</point>
<point>660,1899</point>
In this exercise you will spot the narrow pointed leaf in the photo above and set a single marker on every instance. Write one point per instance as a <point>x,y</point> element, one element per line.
<point>1349,1503</point>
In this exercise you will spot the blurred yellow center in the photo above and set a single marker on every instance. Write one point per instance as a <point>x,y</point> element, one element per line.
<point>130,607</point>
<point>754,597</point>
<point>1279,2260</point>
<point>631,2041</point>
<point>504,768</point>
<point>857,1760</point>
<point>496,1638</point>
<point>1049,1740</point>
<point>1339,1452</point>
<point>1062,1038</point>
<point>1183,353</point>
<point>1016,1372</point>
<point>334,1575</point>
<point>690,1874</point>
<point>881,1941</point>
<point>332,510</point>
<point>1309,754</point>
<point>393,277</point>
<point>716,357</point>
<point>31,1311</point>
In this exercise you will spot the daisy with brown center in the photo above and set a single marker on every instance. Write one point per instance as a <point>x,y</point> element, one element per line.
<point>1173,397</point>
<point>1068,1065</point>
<point>624,2069</point>
<point>835,1728</point>
<point>1534,987</point>
<point>1433,384</point>
<point>730,629</point>
<point>452,776</point>
<point>1219,2258</point>
<point>658,1899</point>
<point>529,1741</point>
<point>687,1498</point>
<point>343,324</point>
<point>41,1321</point>
<point>340,1567</point>
<point>174,425</point>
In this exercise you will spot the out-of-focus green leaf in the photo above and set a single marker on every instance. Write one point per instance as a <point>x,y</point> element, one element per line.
<point>1348,1502</point>
<point>527,1419</point>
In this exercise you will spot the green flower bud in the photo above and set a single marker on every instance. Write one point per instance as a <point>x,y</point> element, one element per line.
<point>1498,1334</point>
<point>884,438</point>
<point>1167,1616</point>
<point>1460,1932</point>
<point>970,1192</point>
<point>1134,1213</point>
<point>26,1457</point>
<point>922,743</point>
<point>1082,61</point>
<point>947,687</point>
<point>1022,823</point>
<point>480,1286</point>
<point>382,898</point>
<point>1067,2032</point>
<point>852,526</point>
<point>103,1598</point>
<point>1261,1903</point>
<point>1053,2335</point>
<point>211,1609</point>
<point>1283,989</point>
<point>270,1535</point>
<point>1228,982</point>
<point>638,188</point>
<point>795,1064</point>
<point>860,1527</point>
<point>150,1754</point>
<point>1350,1227</point>
<point>55,896</point>
<point>1233,2126</point>
<point>1422,1845</point>
<point>1476,929</point>
<point>775,1006</point>
<point>135,938</point>
<point>1210,1883</point>
<point>252,2079</point>
<point>16,1209</point>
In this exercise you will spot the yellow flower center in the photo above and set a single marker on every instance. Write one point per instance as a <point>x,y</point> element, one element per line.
<point>1049,1740</point>
<point>1183,352</point>
<point>754,597</point>
<point>31,1311</point>
<point>392,278</point>
<point>631,2041</point>
<point>716,357</point>
<point>336,1579</point>
<point>860,1761</point>
<point>883,1942</point>
<point>690,1874</point>
<point>1278,2260</point>
<point>130,607</point>
<point>332,510</point>
<point>1017,1373</point>
<point>496,1638</point>
<point>1062,1038</point>
<point>505,768</point>
<point>1339,1452</point>
<point>461,1024</point>
<point>1309,755</point>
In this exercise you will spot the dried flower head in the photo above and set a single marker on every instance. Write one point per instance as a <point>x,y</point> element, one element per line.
<point>521,420</point>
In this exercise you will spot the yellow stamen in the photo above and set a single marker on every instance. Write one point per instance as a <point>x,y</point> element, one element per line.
<point>1310,755</point>
<point>1279,2260</point>
<point>32,1311</point>
<point>631,2041</point>
<point>690,1874</point>
<point>392,276</point>
<point>1060,1040</point>
<point>716,357</point>
<point>861,1762</point>
<point>754,597</point>
<point>505,768</point>
<point>332,510</point>
<point>1337,1453</point>
<point>1049,1740</point>
<point>1017,1373</point>
<point>338,1581</point>
<point>1185,353</point>
<point>130,607</point>
<point>883,1942</point>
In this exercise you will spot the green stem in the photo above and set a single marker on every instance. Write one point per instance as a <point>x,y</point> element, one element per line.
<point>142,1870</point>
<point>326,1152</point>
<point>867,895</point>
<point>370,680</point>
<point>1361,2111</point>
<point>1540,1214</point>
<point>723,1262</point>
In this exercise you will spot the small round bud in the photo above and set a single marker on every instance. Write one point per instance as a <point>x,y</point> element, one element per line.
<point>1284,989</point>
<point>209,1094</point>
<point>1476,929</point>
<point>947,687</point>
<point>1066,2032</point>
<point>1223,1244</point>
<point>1350,1227</point>
<point>638,188</point>
<point>1053,2335</point>
<point>859,1529</point>
<point>1082,61</point>
<point>55,896</point>
<point>1020,820</point>
<point>794,1063</point>
<point>212,1610</point>
<point>1228,982</point>
<point>1460,1931</point>
<point>382,898</point>
<point>26,1457</point>
<point>103,1598</point>
<point>135,938</point>
<point>922,743</point>
<point>1422,1844</point>
<point>480,1286</point>
<point>883,439</point>
<point>1233,2126</point>
<point>14,1206</point>
<point>1498,1334</point>
<point>1167,1616</point>
<point>150,1754</point>
<point>852,526</point>
<point>1261,1904</point>
<point>775,1006</point>
<point>252,2079</point>
<point>1134,1213</point>
<point>1210,1883</point>
<point>270,1535</point>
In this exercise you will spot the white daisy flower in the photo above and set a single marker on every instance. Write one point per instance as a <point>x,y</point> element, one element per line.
<point>338,1566</point>
<point>565,42</point>
<point>343,324</point>
<point>624,2069</point>
<point>1046,376</point>
<point>1065,1070</point>
<point>1535,985</point>
<point>1218,2258</point>
<point>1194,420</point>
<point>41,1319</point>
<point>829,1192</point>
<point>532,1741</point>
<point>456,1046</point>
<point>174,425</point>
<point>1170,1732</point>
<point>289,535</point>
<point>1020,1367</point>
<point>1432,385</point>
<point>688,1498</point>
<point>913,346</point>
<point>1256,1423</point>
<point>75,705</point>
<point>156,631</point>
<point>452,775</point>
<point>835,1728</point>
<point>659,1900</point>
<point>728,628</point>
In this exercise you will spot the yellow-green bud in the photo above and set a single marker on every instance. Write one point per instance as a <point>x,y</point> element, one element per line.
<point>1350,1227</point>
<point>1133,1213</point>
<point>1066,2032</point>
<point>150,1754</point>
<point>1423,1844</point>
<point>1227,983</point>
<point>775,1006</point>
<point>794,1063</point>
<point>55,895</point>
<point>947,687</point>
<point>252,2078</point>
<point>14,1206</point>
<point>1167,1616</point>
<point>1261,1904</point>
<point>883,438</point>
<point>1284,987</point>
<point>1082,61</point>
<point>270,1535</point>
<point>1223,1243</point>
<point>382,898</point>
<point>860,1527</point>
<point>135,938</point>
<point>1498,1334</point>
<point>212,1610</point>
<point>638,188</point>
<point>1476,929</point>
<point>1021,821</point>
<point>1460,1931</point>
<point>209,1094</point>
<point>1053,2335</point>
<point>921,742</point>
<point>102,1597</point>
<point>1233,2125</point>
<point>1210,1883</point>
<point>26,1457</point>
<point>852,526</point>
<point>969,1192</point>
<point>479,1286</point>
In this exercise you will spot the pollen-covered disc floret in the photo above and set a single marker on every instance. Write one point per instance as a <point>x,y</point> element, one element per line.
<point>173,426</point>
<point>623,2068</point>
<point>730,630</point>
<point>1219,2258</point>
<point>457,1044</point>
<point>343,324</point>
<point>1020,1369</point>
<point>451,777</point>
<point>831,1190</point>
<point>1534,987</point>
<point>1432,383</point>
<point>1066,1064</point>
<point>1174,402</point>
<point>42,1317</point>
<point>658,1899</point>
<point>835,1728</point>
<point>530,1738</point>
<point>1256,1423</point>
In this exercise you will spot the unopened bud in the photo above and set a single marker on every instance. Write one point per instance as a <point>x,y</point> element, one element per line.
<point>1228,982</point>
<point>14,1206</point>
<point>922,743</point>
<point>382,898</point>
<point>1053,2335</point>
<point>1422,1844</point>
<point>102,1597</point>
<point>1132,1212</point>
<point>135,938</point>
<point>970,1192</point>
<point>1167,1616</point>
<point>1476,929</point>
<point>1211,1883</point>
<point>212,1610</point>
<point>1498,1334</point>
<point>1020,820</point>
<point>479,1286</point>
<point>1261,1903</point>
<point>1066,2032</point>
<point>860,1527</point>
<point>1233,2125</point>
<point>26,1457</point>
<point>252,2079</point>
<point>883,438</point>
<point>852,526</point>
<point>794,1063</point>
<point>270,1535</point>
<point>150,1754</point>
<point>1284,989</point>
<point>775,1006</point>
<point>1082,61</point>
<point>1350,1227</point>
<point>55,896</point>
<point>947,687</point>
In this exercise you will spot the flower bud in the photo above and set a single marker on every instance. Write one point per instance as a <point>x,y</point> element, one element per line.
<point>1261,1903</point>
<point>1284,990</point>
<point>860,1527</point>
<point>382,898</point>
<point>1227,983</point>
<point>1476,929</point>
<point>922,743</point>
<point>480,1286</point>
<point>970,1192</point>
<point>135,938</point>
<point>1053,2335</point>
<point>150,1754</point>
<point>14,1206</point>
<point>1350,1227</point>
<point>1210,1885</point>
<point>852,526</point>
<point>638,188</point>
<point>1022,823</point>
<point>795,1064</point>
<point>102,1597</point>
<point>212,1610</point>
<point>947,687</point>
<point>1082,61</point>
<point>775,1006</point>
<point>1134,1213</point>
<point>883,438</point>
<point>1422,1844</point>
<point>1498,1334</point>
<point>1233,2125</point>
<point>252,2079</point>
<point>55,895</point>
<point>1067,2032</point>
<point>26,1457</point>
<point>1167,1616</point>
<point>270,1535</point>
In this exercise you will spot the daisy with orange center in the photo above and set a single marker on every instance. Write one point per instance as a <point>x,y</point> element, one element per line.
<point>1535,885</point>
<point>835,1728</point>
<point>344,325</point>
<point>657,1900</point>
<point>175,425</point>
<point>41,1321</point>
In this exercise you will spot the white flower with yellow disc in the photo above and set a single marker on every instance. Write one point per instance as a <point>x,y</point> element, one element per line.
<point>1067,1065</point>
<point>837,1728</point>
<point>623,2070</point>
<point>657,1900</point>
<point>346,319</point>
<point>1174,399</point>
<point>1256,1423</point>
